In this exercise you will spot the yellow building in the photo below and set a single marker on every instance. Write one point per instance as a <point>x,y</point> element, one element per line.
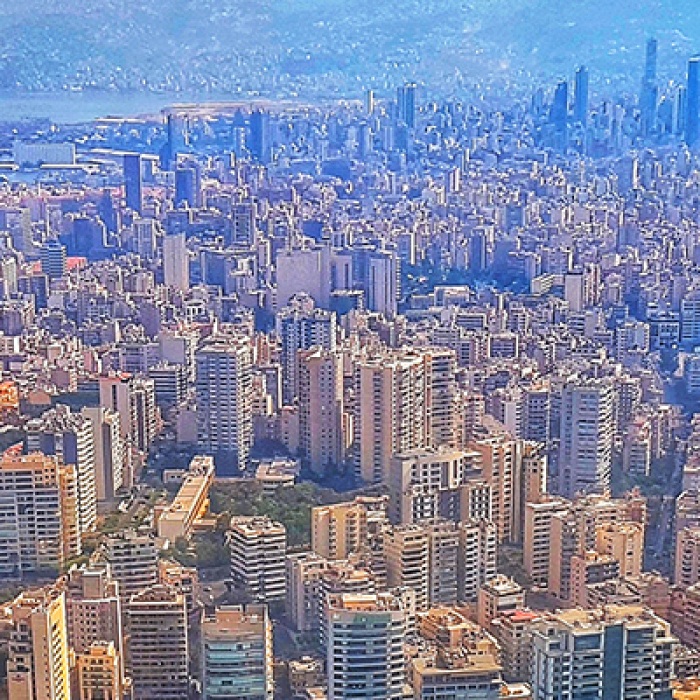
<point>191,502</point>
<point>38,660</point>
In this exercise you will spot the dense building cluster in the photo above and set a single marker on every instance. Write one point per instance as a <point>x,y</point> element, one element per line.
<point>482,326</point>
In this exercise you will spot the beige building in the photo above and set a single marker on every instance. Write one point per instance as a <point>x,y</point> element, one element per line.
<point>303,574</point>
<point>224,400</point>
<point>39,512</point>
<point>502,462</point>
<point>588,569</point>
<point>455,658</point>
<point>498,596</point>
<point>478,553</point>
<point>338,530</point>
<point>392,410</point>
<point>321,434</point>
<point>407,550</point>
<point>512,631</point>
<point>99,673</point>
<point>624,542</point>
<point>444,559</point>
<point>38,666</point>
<point>427,483</point>
<point>687,564</point>
<point>191,501</point>
<point>537,538</point>
<point>93,609</point>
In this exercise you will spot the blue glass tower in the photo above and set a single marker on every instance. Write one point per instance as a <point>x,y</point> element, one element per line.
<point>581,96</point>
<point>133,181</point>
<point>692,120</point>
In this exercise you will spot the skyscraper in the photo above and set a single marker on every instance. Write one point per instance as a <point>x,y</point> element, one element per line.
<point>259,136</point>
<point>188,184</point>
<point>223,401</point>
<point>133,181</point>
<point>53,259</point>
<point>649,95</point>
<point>581,96</point>
<point>406,103</point>
<point>692,120</point>
<point>559,114</point>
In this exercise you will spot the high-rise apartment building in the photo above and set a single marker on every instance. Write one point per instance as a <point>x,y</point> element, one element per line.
<point>687,560</point>
<point>407,550</point>
<point>303,572</point>
<point>616,652</point>
<point>39,527</point>
<point>38,664</point>
<point>392,407</point>
<point>158,644</point>
<point>537,537</point>
<point>224,418</point>
<point>442,384</point>
<point>321,434</point>
<point>425,484</point>
<point>110,451</point>
<point>69,437</point>
<point>339,530</point>
<point>93,608</point>
<point>586,437</point>
<point>501,458</point>
<point>302,326</point>
<point>237,654</point>
<point>258,548</point>
<point>444,558</point>
<point>133,561</point>
<point>365,657</point>
<point>176,263</point>
<point>477,558</point>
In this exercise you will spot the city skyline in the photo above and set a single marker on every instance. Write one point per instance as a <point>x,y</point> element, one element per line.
<point>390,391</point>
